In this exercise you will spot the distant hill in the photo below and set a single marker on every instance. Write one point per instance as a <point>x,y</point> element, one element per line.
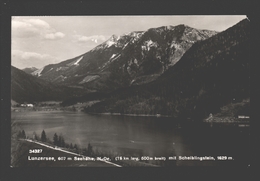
<point>211,74</point>
<point>27,88</point>
<point>131,59</point>
<point>29,70</point>
<point>13,103</point>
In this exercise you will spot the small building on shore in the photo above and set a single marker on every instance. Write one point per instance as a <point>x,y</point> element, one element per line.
<point>26,105</point>
<point>243,117</point>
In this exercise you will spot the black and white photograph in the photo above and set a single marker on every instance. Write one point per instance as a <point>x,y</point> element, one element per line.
<point>130,91</point>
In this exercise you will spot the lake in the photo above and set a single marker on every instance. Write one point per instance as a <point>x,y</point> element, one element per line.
<point>142,136</point>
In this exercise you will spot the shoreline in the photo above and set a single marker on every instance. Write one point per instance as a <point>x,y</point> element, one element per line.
<point>133,115</point>
<point>224,120</point>
<point>227,119</point>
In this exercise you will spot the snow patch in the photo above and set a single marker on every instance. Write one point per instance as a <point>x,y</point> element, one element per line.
<point>169,27</point>
<point>77,62</point>
<point>125,45</point>
<point>110,43</point>
<point>135,61</point>
<point>58,69</point>
<point>132,82</point>
<point>113,56</point>
<point>148,44</point>
<point>61,68</point>
<point>136,34</point>
<point>38,72</point>
<point>89,78</point>
<point>175,45</point>
<point>101,46</point>
<point>112,59</point>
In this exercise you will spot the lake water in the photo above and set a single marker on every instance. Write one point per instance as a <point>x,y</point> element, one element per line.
<point>141,136</point>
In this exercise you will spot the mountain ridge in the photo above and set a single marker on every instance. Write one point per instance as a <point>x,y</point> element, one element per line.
<point>134,58</point>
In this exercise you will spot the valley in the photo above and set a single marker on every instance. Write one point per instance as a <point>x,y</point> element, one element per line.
<point>172,71</point>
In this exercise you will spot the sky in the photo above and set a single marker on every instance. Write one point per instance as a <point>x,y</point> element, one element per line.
<point>41,40</point>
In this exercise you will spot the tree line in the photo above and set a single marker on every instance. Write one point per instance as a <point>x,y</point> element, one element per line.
<point>58,140</point>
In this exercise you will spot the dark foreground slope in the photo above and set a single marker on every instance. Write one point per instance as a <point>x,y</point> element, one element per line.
<point>27,88</point>
<point>22,158</point>
<point>211,74</point>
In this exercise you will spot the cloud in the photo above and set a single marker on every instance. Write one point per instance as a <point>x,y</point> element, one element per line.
<point>26,28</point>
<point>38,23</point>
<point>94,38</point>
<point>21,59</point>
<point>53,36</point>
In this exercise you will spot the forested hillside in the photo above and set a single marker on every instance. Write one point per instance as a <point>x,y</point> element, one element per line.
<point>211,74</point>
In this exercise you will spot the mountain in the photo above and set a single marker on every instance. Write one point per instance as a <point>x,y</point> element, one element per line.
<point>29,70</point>
<point>211,74</point>
<point>27,88</point>
<point>131,59</point>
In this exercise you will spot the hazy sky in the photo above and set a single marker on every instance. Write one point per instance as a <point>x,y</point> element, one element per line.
<point>41,40</point>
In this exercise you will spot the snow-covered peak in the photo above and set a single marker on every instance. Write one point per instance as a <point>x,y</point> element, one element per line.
<point>112,40</point>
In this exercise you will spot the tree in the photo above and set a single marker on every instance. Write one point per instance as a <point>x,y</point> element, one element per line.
<point>90,150</point>
<point>35,136</point>
<point>76,148</point>
<point>67,145</point>
<point>55,139</point>
<point>19,134</point>
<point>23,135</point>
<point>43,136</point>
<point>61,141</point>
<point>85,151</point>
